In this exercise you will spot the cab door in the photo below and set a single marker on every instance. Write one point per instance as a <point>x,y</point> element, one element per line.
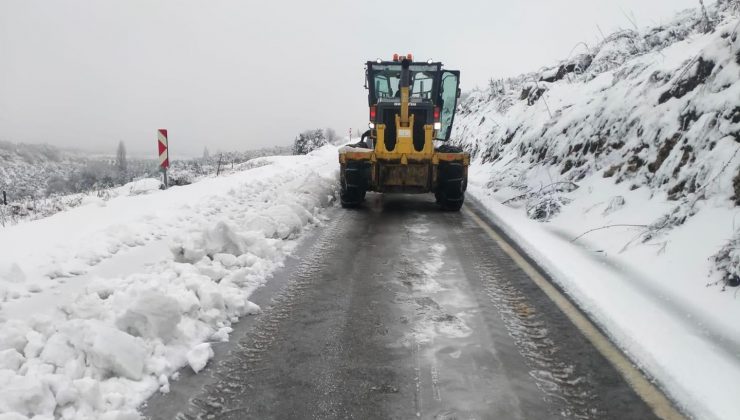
<point>449,91</point>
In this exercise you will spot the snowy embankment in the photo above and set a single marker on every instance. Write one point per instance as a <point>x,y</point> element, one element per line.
<point>619,171</point>
<point>102,304</point>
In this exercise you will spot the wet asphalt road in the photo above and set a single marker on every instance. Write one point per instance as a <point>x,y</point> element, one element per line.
<point>401,311</point>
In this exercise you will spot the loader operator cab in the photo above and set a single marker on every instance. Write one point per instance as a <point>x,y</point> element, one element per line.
<point>433,94</point>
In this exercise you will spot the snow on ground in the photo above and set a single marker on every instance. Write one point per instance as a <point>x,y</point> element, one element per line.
<point>620,174</point>
<point>102,304</point>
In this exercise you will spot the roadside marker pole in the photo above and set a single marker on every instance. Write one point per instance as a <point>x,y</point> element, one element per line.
<point>164,156</point>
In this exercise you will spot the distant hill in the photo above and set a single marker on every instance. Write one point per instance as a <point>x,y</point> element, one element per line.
<point>25,169</point>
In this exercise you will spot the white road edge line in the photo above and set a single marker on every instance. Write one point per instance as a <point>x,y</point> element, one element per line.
<point>653,397</point>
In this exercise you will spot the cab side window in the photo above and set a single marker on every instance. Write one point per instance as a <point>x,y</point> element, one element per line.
<point>448,102</point>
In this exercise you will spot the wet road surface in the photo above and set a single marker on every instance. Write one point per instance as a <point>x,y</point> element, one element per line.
<point>400,311</point>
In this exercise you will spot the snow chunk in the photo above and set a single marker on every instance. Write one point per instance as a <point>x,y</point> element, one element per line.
<point>109,349</point>
<point>11,359</point>
<point>143,186</point>
<point>222,334</point>
<point>15,274</point>
<point>227,260</point>
<point>26,395</point>
<point>34,344</point>
<point>57,350</point>
<point>259,223</point>
<point>152,315</point>
<point>289,222</point>
<point>13,335</point>
<point>225,238</point>
<point>88,394</point>
<point>199,356</point>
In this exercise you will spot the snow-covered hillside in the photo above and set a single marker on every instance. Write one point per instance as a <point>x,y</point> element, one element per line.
<point>100,305</point>
<point>40,180</point>
<point>619,170</point>
<point>26,169</point>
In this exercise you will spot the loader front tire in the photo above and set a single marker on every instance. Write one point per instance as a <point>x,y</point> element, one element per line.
<point>351,197</point>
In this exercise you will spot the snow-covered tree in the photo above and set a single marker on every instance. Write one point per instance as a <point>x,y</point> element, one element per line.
<point>308,141</point>
<point>206,154</point>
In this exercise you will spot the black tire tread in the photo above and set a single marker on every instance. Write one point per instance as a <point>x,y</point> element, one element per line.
<point>450,192</point>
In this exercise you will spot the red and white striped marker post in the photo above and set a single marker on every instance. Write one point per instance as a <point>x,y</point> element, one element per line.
<point>164,156</point>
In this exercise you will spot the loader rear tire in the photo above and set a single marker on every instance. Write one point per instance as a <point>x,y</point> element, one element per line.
<point>450,192</point>
<point>354,183</point>
<point>452,204</point>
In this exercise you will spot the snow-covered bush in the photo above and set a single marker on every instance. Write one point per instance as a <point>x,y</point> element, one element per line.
<point>179,175</point>
<point>545,202</point>
<point>726,262</point>
<point>546,207</point>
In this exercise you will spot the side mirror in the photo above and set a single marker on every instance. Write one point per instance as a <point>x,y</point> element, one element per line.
<point>459,92</point>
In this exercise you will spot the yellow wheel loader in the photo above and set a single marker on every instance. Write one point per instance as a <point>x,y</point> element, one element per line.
<point>412,106</point>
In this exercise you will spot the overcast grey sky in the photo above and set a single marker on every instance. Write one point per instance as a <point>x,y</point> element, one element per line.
<point>241,74</point>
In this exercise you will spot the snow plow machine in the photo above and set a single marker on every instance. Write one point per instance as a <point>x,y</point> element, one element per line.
<point>412,106</point>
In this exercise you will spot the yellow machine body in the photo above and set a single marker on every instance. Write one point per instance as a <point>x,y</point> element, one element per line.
<point>397,162</point>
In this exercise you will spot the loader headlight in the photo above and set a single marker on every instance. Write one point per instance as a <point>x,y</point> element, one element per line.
<point>438,126</point>
<point>371,126</point>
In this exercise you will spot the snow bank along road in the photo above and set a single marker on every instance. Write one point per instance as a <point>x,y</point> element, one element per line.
<point>102,304</point>
<point>398,310</point>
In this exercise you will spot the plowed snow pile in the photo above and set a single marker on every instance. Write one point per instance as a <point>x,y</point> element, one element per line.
<point>81,342</point>
<point>619,170</point>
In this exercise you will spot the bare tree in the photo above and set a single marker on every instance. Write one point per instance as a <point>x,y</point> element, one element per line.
<point>121,163</point>
<point>707,23</point>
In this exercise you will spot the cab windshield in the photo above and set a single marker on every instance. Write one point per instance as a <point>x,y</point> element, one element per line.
<point>386,80</point>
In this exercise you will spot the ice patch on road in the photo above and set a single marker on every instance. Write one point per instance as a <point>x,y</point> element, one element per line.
<point>421,263</point>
